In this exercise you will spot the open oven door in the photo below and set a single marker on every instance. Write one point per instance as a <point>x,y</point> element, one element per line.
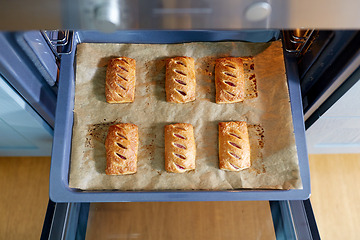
<point>28,79</point>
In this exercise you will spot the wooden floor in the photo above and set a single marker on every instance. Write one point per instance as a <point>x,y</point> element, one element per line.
<point>24,183</point>
<point>336,195</point>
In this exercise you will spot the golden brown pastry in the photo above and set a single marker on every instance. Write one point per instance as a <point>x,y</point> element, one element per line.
<point>229,80</point>
<point>121,149</point>
<point>120,80</point>
<point>234,146</point>
<point>180,80</point>
<point>180,149</point>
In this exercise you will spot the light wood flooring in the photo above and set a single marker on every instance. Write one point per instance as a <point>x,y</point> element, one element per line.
<point>24,183</point>
<point>336,195</point>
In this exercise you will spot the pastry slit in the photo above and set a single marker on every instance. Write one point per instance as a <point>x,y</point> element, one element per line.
<point>120,145</point>
<point>231,84</point>
<point>120,156</point>
<point>179,136</point>
<point>120,135</point>
<point>120,86</point>
<point>230,93</point>
<point>181,63</point>
<point>235,135</point>
<point>181,92</point>
<point>234,166</point>
<point>124,61</point>
<point>121,77</point>
<point>230,66</point>
<point>179,166</point>
<point>179,72</point>
<point>234,155</point>
<point>180,82</point>
<point>121,67</point>
<point>234,144</point>
<point>179,156</point>
<point>179,145</point>
<point>229,74</point>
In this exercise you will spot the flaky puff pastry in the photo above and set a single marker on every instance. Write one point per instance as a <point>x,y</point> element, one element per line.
<point>180,149</point>
<point>121,149</point>
<point>234,146</point>
<point>229,80</point>
<point>180,80</point>
<point>120,80</point>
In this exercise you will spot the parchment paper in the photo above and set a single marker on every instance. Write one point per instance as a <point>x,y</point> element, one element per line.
<point>266,110</point>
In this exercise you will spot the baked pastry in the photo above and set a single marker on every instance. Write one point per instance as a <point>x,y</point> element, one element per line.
<point>234,146</point>
<point>121,149</point>
<point>180,149</point>
<point>229,80</point>
<point>120,80</point>
<point>180,80</point>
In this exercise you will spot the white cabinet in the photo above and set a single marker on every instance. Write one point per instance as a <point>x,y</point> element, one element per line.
<point>338,129</point>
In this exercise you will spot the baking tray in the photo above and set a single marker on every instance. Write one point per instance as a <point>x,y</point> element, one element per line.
<point>60,164</point>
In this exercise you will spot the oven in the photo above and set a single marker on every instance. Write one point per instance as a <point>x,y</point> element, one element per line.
<point>321,58</point>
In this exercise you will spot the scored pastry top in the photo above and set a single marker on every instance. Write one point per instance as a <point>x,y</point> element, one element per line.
<point>234,146</point>
<point>180,80</point>
<point>121,149</point>
<point>229,80</point>
<point>120,80</point>
<point>180,149</point>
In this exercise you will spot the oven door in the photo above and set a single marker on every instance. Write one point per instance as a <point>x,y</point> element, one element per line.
<point>69,220</point>
<point>290,220</point>
<point>329,73</point>
<point>28,74</point>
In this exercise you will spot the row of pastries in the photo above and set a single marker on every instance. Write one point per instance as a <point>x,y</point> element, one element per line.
<point>122,143</point>
<point>180,81</point>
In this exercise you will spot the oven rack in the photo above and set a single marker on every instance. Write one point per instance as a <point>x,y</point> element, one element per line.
<point>60,41</point>
<point>298,41</point>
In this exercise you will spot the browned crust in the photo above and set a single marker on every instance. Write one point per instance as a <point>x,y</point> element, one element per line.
<point>121,149</point>
<point>174,148</point>
<point>120,80</point>
<point>229,80</point>
<point>234,146</point>
<point>180,83</point>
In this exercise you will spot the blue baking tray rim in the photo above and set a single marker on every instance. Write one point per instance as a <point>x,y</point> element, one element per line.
<point>60,162</point>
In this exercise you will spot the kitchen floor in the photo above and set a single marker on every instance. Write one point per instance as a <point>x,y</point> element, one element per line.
<point>24,187</point>
<point>24,183</point>
<point>336,195</point>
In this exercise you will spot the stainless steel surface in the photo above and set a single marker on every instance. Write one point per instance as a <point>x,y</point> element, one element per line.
<point>64,222</point>
<point>29,15</point>
<point>179,14</point>
<point>107,16</point>
<point>258,11</point>
<point>103,15</point>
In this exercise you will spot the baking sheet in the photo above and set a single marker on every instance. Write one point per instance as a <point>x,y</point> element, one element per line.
<point>266,110</point>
